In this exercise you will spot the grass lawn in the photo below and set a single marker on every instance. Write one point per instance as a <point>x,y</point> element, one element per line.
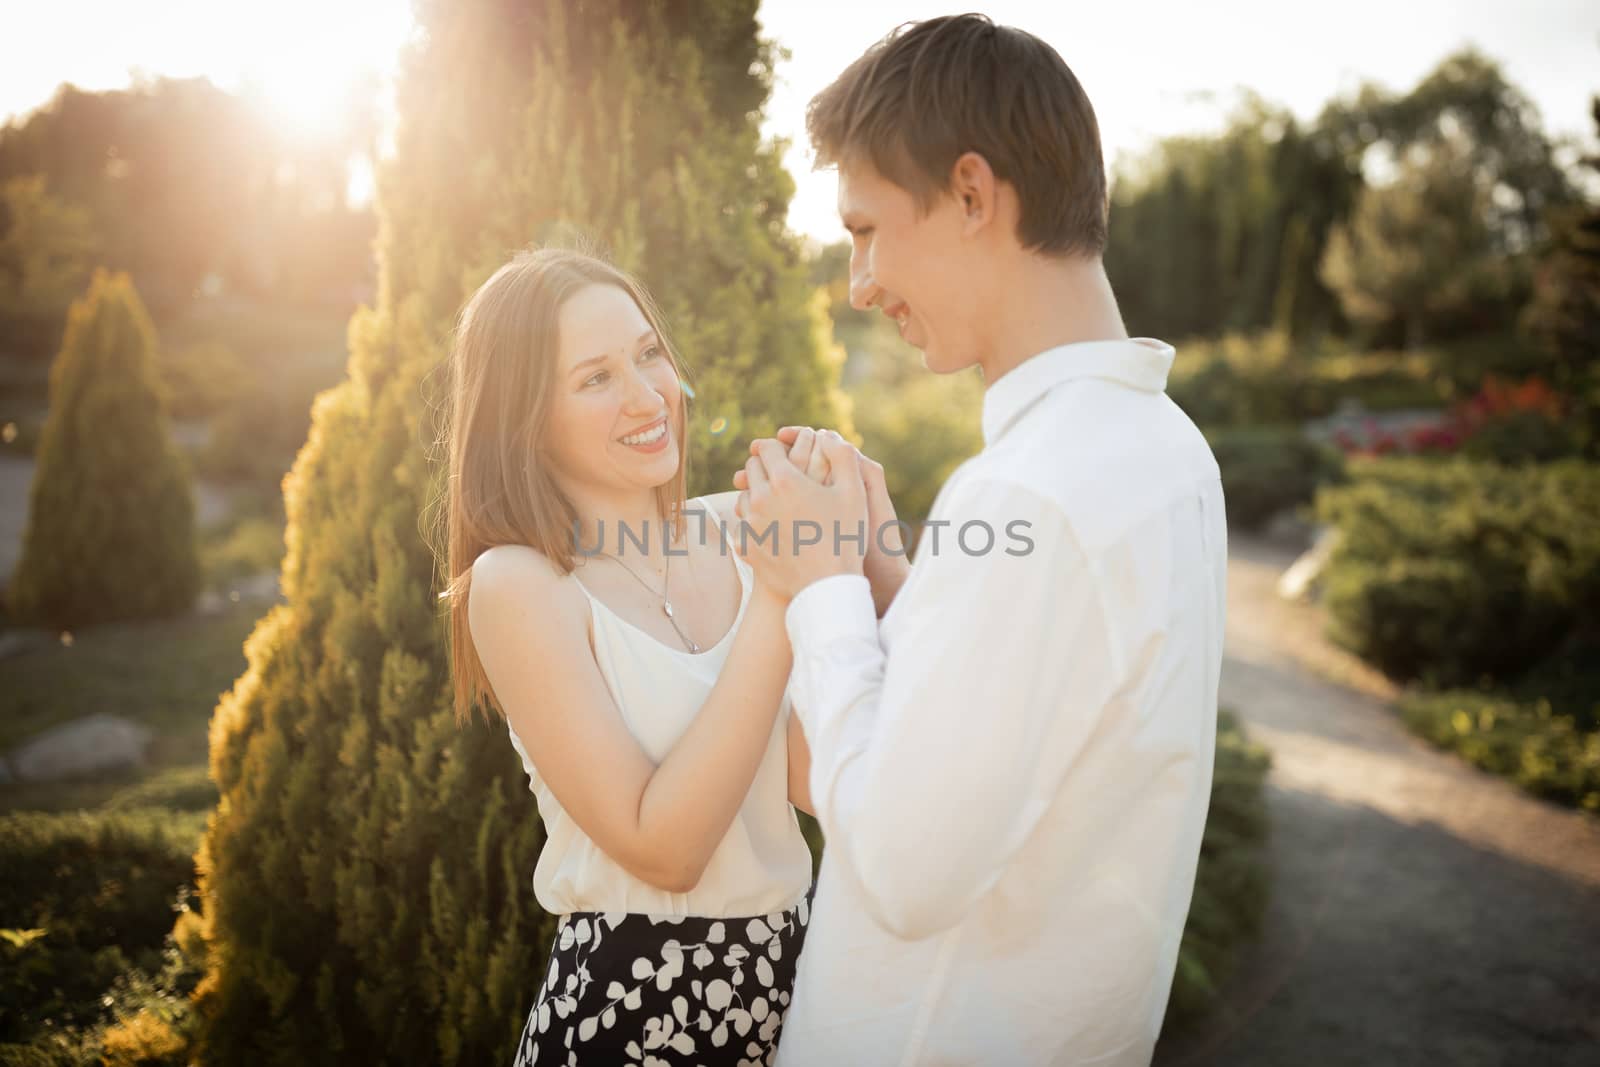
<point>166,675</point>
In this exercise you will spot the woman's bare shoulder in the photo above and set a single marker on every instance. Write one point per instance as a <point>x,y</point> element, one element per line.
<point>514,559</point>
<point>520,575</point>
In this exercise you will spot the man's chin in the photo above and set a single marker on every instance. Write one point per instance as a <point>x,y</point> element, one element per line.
<point>935,361</point>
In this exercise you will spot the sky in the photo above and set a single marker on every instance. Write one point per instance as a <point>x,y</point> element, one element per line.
<point>1151,68</point>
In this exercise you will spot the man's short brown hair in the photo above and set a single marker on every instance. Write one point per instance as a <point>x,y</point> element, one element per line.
<point>931,91</point>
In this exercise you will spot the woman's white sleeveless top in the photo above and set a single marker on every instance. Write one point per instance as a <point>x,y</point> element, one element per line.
<point>762,864</point>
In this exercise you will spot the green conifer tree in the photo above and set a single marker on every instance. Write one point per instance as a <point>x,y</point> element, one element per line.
<point>110,531</point>
<point>366,879</point>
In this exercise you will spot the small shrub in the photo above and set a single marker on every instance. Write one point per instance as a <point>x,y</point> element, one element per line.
<point>1268,378</point>
<point>1232,882</point>
<point>1503,422</point>
<point>102,888</point>
<point>58,1048</point>
<point>1547,753</point>
<point>243,548</point>
<point>110,531</point>
<point>1266,470</point>
<point>1451,571</point>
<point>254,439</point>
<point>153,1021</point>
<point>1523,437</point>
<point>145,1039</point>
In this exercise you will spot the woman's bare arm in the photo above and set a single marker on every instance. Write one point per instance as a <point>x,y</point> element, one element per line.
<point>799,768</point>
<point>660,823</point>
<point>799,750</point>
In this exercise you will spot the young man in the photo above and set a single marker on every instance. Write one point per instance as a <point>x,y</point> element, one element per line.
<point>1013,768</point>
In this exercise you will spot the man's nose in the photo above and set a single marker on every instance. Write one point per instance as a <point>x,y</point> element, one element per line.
<point>863,290</point>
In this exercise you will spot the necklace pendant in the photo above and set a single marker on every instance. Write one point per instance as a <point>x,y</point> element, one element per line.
<point>666,608</point>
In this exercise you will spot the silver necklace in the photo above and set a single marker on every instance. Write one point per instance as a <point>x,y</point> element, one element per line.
<point>666,604</point>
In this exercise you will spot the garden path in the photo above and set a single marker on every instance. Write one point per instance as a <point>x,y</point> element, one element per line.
<point>1422,911</point>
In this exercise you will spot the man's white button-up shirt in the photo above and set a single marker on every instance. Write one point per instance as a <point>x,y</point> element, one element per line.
<point>1013,768</point>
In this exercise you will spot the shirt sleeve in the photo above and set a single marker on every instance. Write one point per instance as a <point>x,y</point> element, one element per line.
<point>932,762</point>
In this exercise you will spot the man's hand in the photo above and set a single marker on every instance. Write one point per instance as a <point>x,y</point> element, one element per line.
<point>885,566</point>
<point>800,529</point>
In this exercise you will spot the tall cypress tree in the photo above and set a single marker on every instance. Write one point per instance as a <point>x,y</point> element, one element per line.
<point>110,530</point>
<point>366,879</point>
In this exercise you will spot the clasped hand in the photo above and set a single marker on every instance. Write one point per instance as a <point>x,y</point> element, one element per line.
<point>814,506</point>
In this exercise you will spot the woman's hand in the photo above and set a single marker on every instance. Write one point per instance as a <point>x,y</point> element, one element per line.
<point>885,564</point>
<point>804,453</point>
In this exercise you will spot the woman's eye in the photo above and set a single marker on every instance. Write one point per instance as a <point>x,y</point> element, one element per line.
<point>651,353</point>
<point>598,378</point>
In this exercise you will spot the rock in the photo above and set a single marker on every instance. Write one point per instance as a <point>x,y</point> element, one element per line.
<point>94,744</point>
<point>15,642</point>
<point>1296,582</point>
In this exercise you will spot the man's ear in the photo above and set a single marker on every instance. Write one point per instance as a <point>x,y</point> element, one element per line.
<point>972,183</point>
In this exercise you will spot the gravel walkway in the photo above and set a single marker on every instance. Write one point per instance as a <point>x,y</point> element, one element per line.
<point>1423,912</point>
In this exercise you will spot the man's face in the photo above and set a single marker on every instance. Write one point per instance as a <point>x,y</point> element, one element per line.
<point>912,267</point>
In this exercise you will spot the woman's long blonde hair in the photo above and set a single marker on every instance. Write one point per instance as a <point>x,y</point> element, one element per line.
<point>502,373</point>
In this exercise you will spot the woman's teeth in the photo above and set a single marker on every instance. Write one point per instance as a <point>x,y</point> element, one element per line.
<point>648,437</point>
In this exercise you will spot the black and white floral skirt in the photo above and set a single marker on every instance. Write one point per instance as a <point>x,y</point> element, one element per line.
<point>664,991</point>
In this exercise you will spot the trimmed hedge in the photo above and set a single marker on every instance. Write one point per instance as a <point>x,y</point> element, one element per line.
<point>1483,581</point>
<point>1457,571</point>
<point>1523,437</point>
<point>1268,378</point>
<point>102,889</point>
<point>176,789</point>
<point>1231,885</point>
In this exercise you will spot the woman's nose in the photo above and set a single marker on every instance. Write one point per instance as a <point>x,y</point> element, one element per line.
<point>642,395</point>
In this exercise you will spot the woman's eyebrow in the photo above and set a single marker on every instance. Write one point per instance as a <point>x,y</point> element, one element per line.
<point>602,357</point>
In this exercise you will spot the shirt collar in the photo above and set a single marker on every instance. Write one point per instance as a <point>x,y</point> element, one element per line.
<point>1139,362</point>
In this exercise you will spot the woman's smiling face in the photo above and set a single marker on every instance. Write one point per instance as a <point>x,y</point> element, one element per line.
<point>615,417</point>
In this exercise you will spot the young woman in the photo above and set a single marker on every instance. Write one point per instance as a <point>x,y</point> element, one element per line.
<point>639,668</point>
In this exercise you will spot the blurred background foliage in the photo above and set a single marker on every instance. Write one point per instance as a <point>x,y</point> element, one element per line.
<point>1387,321</point>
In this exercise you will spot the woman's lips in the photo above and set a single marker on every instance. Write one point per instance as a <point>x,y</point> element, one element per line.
<point>653,446</point>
